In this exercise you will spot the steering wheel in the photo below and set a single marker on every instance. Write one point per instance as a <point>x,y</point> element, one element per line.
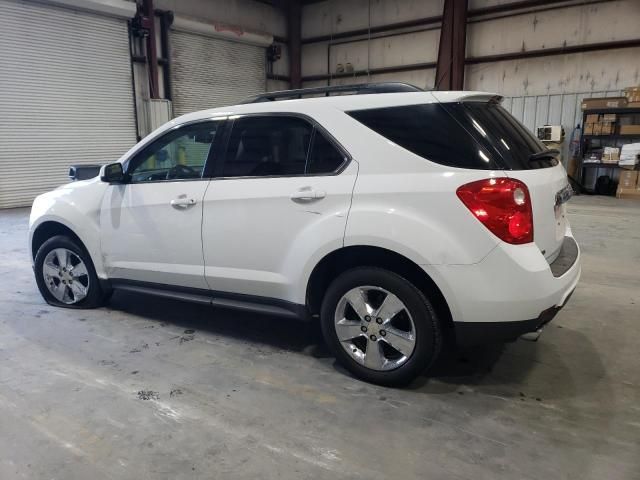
<point>182,171</point>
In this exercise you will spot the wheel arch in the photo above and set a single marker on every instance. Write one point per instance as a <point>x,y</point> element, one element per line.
<point>345,258</point>
<point>49,229</point>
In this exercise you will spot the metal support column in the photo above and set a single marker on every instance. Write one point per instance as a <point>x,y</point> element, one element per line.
<point>451,51</point>
<point>294,20</point>
<point>152,54</point>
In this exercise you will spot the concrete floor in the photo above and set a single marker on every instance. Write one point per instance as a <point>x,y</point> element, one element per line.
<point>230,396</point>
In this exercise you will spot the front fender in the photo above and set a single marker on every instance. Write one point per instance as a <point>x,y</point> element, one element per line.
<point>77,207</point>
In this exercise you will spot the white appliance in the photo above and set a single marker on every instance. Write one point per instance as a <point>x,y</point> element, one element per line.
<point>551,133</point>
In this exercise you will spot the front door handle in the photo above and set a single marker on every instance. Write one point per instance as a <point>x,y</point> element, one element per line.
<point>307,194</point>
<point>183,202</point>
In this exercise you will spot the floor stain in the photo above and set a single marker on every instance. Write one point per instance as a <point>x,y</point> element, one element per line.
<point>148,395</point>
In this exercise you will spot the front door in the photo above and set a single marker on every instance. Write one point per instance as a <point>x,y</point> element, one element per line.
<point>282,194</point>
<point>151,224</point>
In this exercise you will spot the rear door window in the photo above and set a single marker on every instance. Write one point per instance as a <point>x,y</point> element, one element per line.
<point>264,146</point>
<point>278,146</point>
<point>324,158</point>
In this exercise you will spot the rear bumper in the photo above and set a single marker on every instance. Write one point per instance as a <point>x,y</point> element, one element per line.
<point>481,333</point>
<point>511,292</point>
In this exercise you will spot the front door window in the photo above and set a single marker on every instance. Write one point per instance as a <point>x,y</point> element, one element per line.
<point>178,155</point>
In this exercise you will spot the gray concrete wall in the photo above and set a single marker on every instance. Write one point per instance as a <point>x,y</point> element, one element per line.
<point>573,24</point>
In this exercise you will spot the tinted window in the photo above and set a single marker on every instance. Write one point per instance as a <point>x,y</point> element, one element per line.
<point>499,132</point>
<point>324,157</point>
<point>178,155</point>
<point>429,131</point>
<point>267,145</point>
<point>478,135</point>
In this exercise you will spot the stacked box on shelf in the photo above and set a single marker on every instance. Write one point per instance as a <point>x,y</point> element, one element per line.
<point>600,124</point>
<point>632,94</point>
<point>604,102</point>
<point>629,155</point>
<point>629,186</point>
<point>610,155</point>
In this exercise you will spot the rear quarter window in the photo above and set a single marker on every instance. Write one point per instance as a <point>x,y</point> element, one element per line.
<point>500,133</point>
<point>429,131</point>
<point>474,135</point>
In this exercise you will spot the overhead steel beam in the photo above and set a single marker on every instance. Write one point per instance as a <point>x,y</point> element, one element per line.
<point>451,50</point>
<point>418,22</point>
<point>548,52</point>
<point>371,71</point>
<point>544,52</point>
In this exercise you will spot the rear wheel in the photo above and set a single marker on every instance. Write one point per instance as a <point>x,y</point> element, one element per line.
<point>65,274</point>
<point>380,326</point>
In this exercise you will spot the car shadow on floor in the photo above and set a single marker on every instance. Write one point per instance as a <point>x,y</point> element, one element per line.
<point>277,332</point>
<point>502,368</point>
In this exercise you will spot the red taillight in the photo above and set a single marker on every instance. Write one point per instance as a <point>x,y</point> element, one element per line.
<point>503,205</point>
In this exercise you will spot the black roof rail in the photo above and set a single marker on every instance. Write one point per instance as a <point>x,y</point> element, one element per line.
<point>361,88</point>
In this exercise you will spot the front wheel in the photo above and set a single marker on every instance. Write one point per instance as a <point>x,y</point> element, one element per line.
<point>65,274</point>
<point>380,326</point>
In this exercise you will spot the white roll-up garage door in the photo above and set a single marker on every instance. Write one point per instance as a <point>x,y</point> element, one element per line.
<point>65,95</point>
<point>210,72</point>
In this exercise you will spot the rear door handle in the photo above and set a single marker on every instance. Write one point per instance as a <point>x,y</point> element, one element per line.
<point>307,194</point>
<point>183,202</point>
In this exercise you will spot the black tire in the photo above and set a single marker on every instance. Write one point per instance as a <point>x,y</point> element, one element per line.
<point>95,295</point>
<point>428,332</point>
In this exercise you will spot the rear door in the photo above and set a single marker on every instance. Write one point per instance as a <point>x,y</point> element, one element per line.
<point>512,145</point>
<point>281,194</point>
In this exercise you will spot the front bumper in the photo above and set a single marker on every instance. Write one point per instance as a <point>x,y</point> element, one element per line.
<point>512,282</point>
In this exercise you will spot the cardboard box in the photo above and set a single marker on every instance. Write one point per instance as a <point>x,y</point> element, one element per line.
<point>630,130</point>
<point>632,94</point>
<point>610,155</point>
<point>608,117</point>
<point>592,118</point>
<point>606,128</point>
<point>588,128</point>
<point>628,193</point>
<point>628,179</point>
<point>629,155</point>
<point>604,102</point>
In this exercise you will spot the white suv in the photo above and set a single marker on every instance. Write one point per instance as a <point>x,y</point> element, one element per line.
<point>403,221</point>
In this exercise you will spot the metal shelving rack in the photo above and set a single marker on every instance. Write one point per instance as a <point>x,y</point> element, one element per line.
<point>589,142</point>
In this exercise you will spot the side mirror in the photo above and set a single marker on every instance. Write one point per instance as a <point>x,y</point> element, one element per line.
<point>112,173</point>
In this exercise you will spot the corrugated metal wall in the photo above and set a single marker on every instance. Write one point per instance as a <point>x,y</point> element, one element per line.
<point>210,72</point>
<point>562,109</point>
<point>65,96</point>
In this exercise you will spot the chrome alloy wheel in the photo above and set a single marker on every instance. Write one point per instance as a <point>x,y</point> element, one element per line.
<point>375,328</point>
<point>65,276</point>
